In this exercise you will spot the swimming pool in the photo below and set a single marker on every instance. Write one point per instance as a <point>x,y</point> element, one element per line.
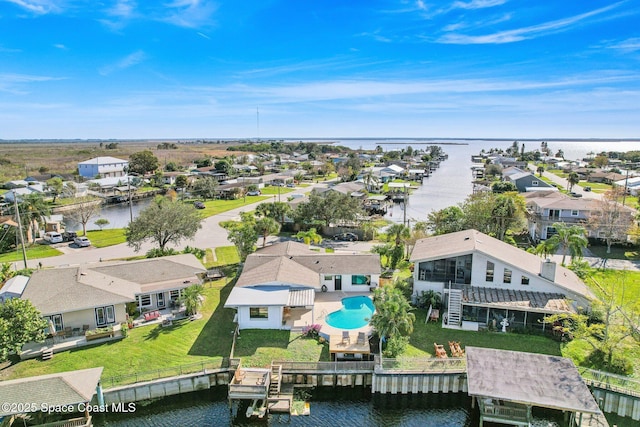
<point>355,313</point>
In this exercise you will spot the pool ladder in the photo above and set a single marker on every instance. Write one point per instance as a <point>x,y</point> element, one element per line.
<point>322,315</point>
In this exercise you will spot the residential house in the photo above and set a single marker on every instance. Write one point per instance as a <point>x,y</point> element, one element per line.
<point>351,188</point>
<point>104,167</point>
<point>632,184</point>
<point>287,275</point>
<point>544,208</point>
<point>506,162</point>
<point>13,288</point>
<point>606,177</point>
<point>526,181</point>
<point>20,192</point>
<point>484,281</point>
<point>96,294</point>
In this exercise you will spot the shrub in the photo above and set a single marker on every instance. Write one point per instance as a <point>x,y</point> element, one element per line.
<point>396,345</point>
<point>311,331</point>
<point>157,252</point>
<point>197,252</point>
<point>429,298</point>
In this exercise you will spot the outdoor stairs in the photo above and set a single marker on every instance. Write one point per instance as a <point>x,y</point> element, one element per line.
<point>275,380</point>
<point>455,306</point>
<point>47,353</point>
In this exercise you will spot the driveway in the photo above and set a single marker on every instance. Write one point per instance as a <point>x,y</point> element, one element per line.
<point>565,184</point>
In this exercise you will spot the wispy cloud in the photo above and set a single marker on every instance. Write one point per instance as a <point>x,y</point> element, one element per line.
<point>39,7</point>
<point>376,36</point>
<point>477,4</point>
<point>190,13</point>
<point>629,45</point>
<point>60,46</point>
<point>126,62</point>
<point>524,33</point>
<point>15,83</point>
<point>8,50</point>
<point>204,36</point>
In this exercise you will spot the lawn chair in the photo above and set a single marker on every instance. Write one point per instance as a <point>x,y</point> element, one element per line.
<point>362,338</point>
<point>346,339</point>
<point>441,353</point>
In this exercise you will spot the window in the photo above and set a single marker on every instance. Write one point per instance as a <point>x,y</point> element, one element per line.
<point>490,267</point>
<point>258,312</point>
<point>574,213</point>
<point>507,276</point>
<point>534,183</point>
<point>105,315</point>
<point>145,300</point>
<point>175,295</point>
<point>57,321</point>
<point>525,280</point>
<point>328,277</point>
<point>360,280</point>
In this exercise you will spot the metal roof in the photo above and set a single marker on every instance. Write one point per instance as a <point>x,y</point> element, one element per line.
<point>301,297</point>
<point>529,379</point>
<point>63,388</point>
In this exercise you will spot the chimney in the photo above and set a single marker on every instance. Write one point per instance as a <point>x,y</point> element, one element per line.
<point>548,270</point>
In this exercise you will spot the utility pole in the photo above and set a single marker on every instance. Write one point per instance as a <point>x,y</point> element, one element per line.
<point>404,202</point>
<point>130,209</point>
<point>24,252</point>
<point>626,182</point>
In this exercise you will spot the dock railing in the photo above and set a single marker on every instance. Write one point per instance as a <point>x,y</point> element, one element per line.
<point>326,367</point>
<point>609,381</point>
<point>427,365</point>
<point>174,371</point>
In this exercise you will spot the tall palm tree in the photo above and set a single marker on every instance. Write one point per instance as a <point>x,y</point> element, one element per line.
<point>266,226</point>
<point>370,179</point>
<point>572,238</point>
<point>540,170</point>
<point>572,180</point>
<point>397,233</point>
<point>33,211</point>
<point>393,315</point>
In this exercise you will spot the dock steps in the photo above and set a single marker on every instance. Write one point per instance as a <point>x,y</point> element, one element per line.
<point>275,380</point>
<point>455,306</point>
<point>47,353</point>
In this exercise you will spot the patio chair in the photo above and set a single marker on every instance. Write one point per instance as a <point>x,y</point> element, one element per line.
<point>441,353</point>
<point>68,331</point>
<point>345,337</point>
<point>362,338</point>
<point>85,328</point>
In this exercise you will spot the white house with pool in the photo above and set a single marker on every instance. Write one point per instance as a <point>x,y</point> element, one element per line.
<point>278,285</point>
<point>485,281</point>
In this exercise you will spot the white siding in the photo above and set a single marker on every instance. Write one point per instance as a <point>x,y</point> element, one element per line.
<point>274,321</point>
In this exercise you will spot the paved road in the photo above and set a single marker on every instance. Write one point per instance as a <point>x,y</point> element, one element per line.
<point>211,235</point>
<point>565,184</point>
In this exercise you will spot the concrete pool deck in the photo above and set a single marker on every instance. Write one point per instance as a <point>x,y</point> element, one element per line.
<point>325,303</point>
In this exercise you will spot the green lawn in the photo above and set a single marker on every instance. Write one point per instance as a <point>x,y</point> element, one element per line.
<point>276,190</point>
<point>149,348</point>
<point>34,251</point>
<point>617,252</point>
<point>224,255</point>
<point>259,347</point>
<point>214,207</point>
<point>596,187</point>
<point>107,237</point>
<point>426,334</point>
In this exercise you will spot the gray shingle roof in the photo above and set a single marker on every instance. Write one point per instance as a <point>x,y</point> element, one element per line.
<point>153,270</point>
<point>469,241</point>
<point>63,388</point>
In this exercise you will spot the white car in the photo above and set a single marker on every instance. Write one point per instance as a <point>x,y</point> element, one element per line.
<point>82,242</point>
<point>52,237</point>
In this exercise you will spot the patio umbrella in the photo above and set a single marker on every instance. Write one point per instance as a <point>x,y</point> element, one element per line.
<point>52,330</point>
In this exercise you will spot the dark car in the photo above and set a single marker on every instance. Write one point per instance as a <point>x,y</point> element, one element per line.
<point>347,237</point>
<point>199,205</point>
<point>587,188</point>
<point>68,236</point>
<point>572,194</point>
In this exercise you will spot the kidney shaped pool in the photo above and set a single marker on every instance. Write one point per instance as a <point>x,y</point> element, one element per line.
<point>355,313</point>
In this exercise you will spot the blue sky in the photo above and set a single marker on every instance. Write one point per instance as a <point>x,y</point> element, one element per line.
<point>319,68</point>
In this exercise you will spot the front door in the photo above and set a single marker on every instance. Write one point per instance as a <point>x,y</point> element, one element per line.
<point>160,297</point>
<point>337,282</point>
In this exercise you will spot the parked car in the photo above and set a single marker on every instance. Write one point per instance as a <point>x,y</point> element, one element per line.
<point>254,193</point>
<point>572,194</point>
<point>82,241</point>
<point>587,189</point>
<point>199,205</point>
<point>348,237</point>
<point>52,237</point>
<point>291,185</point>
<point>68,236</point>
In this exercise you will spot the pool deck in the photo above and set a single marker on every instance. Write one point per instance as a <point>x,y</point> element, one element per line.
<point>328,302</point>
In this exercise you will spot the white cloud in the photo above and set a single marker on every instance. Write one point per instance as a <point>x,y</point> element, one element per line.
<point>477,4</point>
<point>40,7</point>
<point>190,13</point>
<point>126,62</point>
<point>524,33</point>
<point>60,46</point>
<point>629,45</point>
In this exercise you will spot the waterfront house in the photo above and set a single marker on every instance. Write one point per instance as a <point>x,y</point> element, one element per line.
<point>103,167</point>
<point>96,294</point>
<point>286,276</point>
<point>544,208</point>
<point>526,181</point>
<point>484,281</point>
<point>352,188</point>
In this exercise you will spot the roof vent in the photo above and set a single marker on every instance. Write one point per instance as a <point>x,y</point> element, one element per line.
<point>467,238</point>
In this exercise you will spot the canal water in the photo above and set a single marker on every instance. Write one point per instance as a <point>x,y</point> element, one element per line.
<point>117,214</point>
<point>328,407</point>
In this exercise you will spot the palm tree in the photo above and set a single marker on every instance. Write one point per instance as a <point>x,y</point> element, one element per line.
<point>192,299</point>
<point>393,315</point>
<point>33,211</point>
<point>266,226</point>
<point>572,180</point>
<point>369,179</point>
<point>309,236</point>
<point>571,238</point>
<point>398,232</point>
<point>540,170</point>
